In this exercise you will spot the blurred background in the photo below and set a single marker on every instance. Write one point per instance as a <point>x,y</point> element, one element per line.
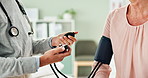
<point>51,17</point>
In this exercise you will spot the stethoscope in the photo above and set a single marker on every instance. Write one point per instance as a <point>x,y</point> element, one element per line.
<point>13,31</point>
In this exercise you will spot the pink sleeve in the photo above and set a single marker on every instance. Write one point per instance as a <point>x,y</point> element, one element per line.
<point>103,72</point>
<point>106,32</point>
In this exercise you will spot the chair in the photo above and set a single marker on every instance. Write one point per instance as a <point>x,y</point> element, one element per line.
<point>84,54</point>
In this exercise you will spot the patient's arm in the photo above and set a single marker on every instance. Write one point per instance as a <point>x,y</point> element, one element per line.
<point>103,72</point>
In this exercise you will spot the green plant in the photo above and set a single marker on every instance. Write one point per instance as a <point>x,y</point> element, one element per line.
<point>60,16</point>
<point>70,11</point>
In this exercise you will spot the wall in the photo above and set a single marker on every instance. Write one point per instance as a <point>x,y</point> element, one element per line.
<point>90,18</point>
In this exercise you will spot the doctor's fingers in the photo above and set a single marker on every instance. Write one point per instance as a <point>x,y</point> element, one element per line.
<point>58,58</point>
<point>67,53</point>
<point>70,40</point>
<point>63,41</point>
<point>57,50</point>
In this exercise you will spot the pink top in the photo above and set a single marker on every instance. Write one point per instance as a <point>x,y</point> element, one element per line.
<point>130,47</point>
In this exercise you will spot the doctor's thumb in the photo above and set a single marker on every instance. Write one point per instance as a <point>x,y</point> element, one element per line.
<point>58,50</point>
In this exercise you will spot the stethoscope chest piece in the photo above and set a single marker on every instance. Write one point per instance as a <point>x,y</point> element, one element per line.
<point>13,31</point>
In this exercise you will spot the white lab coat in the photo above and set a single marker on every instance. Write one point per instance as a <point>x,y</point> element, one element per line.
<point>15,52</point>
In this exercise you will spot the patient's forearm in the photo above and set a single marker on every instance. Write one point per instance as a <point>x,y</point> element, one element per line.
<point>103,72</point>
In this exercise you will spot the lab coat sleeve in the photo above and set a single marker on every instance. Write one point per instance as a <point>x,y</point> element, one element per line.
<point>41,46</point>
<point>12,66</point>
<point>103,71</point>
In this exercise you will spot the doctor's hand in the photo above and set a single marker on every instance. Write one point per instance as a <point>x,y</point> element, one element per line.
<point>61,39</point>
<point>54,55</point>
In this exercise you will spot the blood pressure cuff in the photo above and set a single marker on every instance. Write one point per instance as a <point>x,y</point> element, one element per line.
<point>104,51</point>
